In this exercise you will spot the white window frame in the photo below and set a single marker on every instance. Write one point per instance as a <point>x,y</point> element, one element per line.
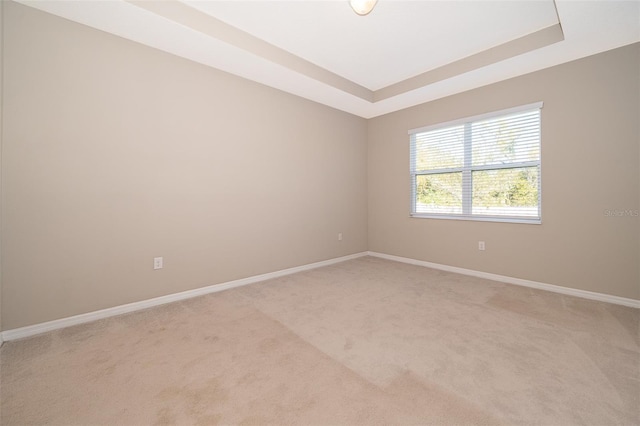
<point>467,169</point>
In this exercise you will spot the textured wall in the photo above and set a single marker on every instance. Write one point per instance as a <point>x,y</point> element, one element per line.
<point>115,153</point>
<point>590,144</point>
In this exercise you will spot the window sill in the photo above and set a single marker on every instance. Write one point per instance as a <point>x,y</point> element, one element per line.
<point>503,219</point>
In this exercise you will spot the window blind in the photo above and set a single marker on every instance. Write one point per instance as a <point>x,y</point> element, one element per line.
<point>485,167</point>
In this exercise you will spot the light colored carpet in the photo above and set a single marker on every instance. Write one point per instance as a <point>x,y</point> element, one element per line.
<point>366,341</point>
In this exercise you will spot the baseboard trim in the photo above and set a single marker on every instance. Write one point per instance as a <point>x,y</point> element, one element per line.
<point>633,303</point>
<point>31,330</point>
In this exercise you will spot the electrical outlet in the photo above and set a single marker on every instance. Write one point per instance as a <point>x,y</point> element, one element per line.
<point>340,236</point>
<point>480,245</point>
<point>157,263</point>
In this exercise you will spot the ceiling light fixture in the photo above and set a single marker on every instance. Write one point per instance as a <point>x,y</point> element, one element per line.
<point>362,7</point>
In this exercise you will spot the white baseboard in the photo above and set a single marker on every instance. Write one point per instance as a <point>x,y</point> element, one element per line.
<point>22,332</point>
<point>31,330</point>
<point>633,303</point>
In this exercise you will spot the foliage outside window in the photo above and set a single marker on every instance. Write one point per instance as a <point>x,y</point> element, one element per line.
<point>480,168</point>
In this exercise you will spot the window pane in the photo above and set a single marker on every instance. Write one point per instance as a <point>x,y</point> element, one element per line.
<point>440,149</point>
<point>509,139</point>
<point>506,192</point>
<point>439,193</point>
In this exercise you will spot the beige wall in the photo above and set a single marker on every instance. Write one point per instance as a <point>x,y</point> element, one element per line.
<point>115,153</point>
<point>590,153</point>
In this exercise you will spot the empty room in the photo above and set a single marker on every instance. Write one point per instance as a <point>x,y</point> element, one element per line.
<point>320,212</point>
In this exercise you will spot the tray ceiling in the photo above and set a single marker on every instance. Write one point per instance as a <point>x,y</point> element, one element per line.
<point>402,54</point>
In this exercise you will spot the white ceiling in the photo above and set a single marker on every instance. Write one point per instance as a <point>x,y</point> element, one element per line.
<point>402,54</point>
<point>396,41</point>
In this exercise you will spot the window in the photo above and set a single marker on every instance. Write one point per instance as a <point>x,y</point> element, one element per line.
<point>480,168</point>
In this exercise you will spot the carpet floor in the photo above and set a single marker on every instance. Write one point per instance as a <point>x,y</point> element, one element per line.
<point>367,341</point>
